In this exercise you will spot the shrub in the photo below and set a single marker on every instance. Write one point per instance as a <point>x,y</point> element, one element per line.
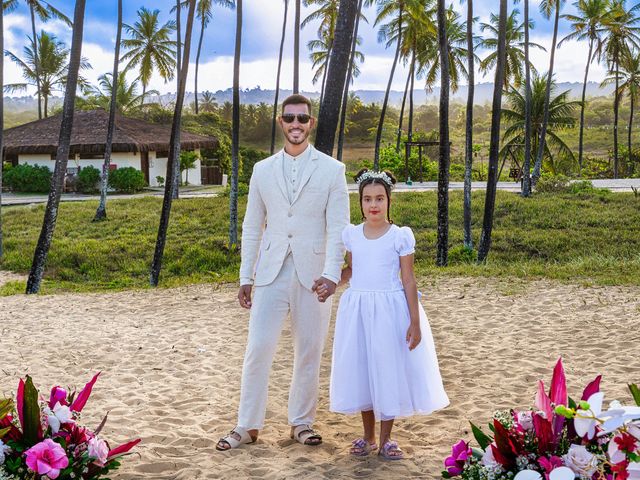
<point>243,189</point>
<point>250,156</point>
<point>126,180</point>
<point>552,184</point>
<point>462,254</point>
<point>596,167</point>
<point>160,180</point>
<point>28,178</point>
<point>88,180</point>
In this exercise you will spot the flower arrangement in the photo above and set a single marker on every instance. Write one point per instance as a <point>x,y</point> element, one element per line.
<point>559,439</point>
<point>41,439</point>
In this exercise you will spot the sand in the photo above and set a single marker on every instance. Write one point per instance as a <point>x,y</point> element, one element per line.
<point>171,362</point>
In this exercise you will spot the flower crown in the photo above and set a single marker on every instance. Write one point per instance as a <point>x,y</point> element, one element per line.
<point>377,176</point>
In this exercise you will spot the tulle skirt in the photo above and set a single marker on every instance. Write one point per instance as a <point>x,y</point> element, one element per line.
<point>372,366</point>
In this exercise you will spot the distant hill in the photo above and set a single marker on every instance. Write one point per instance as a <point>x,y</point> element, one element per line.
<point>19,110</point>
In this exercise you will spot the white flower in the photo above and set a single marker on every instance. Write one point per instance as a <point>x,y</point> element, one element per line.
<point>525,419</point>
<point>59,415</point>
<point>528,475</point>
<point>615,454</point>
<point>562,473</point>
<point>581,461</point>
<point>585,420</point>
<point>634,471</point>
<point>3,449</point>
<point>634,429</point>
<point>98,450</point>
<point>489,461</point>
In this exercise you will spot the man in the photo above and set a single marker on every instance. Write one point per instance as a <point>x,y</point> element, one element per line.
<point>291,245</point>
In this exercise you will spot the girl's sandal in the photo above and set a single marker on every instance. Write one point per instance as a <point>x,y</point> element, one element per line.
<point>236,437</point>
<point>361,448</point>
<point>391,451</point>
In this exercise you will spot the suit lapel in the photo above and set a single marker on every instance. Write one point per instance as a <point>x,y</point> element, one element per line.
<point>279,174</point>
<point>308,171</point>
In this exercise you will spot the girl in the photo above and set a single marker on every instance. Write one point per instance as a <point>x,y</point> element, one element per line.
<point>384,359</point>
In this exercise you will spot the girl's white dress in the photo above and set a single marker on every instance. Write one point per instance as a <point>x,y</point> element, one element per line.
<point>373,368</point>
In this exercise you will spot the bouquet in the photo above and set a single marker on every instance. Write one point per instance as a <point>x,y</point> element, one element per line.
<point>559,439</point>
<point>41,439</point>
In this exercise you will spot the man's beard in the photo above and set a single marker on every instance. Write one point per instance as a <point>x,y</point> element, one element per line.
<point>298,141</point>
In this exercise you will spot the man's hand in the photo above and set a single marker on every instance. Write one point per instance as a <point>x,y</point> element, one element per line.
<point>324,288</point>
<point>244,296</point>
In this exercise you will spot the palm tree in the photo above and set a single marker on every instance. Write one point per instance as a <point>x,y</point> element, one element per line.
<point>561,116</point>
<point>178,11</point>
<point>127,98</point>
<point>204,14</point>
<point>444,160</point>
<point>586,25</point>
<point>52,66</point>
<point>45,12</point>
<point>526,164</point>
<point>235,131</point>
<point>621,35</point>
<point>320,55</point>
<point>515,47</point>
<point>101,212</point>
<point>275,101</point>
<point>629,75</point>
<point>492,177</point>
<point>336,77</point>
<point>174,154</point>
<point>208,102</point>
<point>296,49</point>
<point>1,117</point>
<point>62,155</point>
<point>468,140</point>
<point>547,7</point>
<point>150,47</point>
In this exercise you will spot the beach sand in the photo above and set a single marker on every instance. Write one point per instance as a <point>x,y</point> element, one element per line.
<point>171,362</point>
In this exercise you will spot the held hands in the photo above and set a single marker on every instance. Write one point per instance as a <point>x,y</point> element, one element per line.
<point>324,288</point>
<point>244,296</point>
<point>414,335</point>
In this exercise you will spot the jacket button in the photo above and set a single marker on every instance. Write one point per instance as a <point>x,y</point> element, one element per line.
<point>290,214</point>
<point>289,235</point>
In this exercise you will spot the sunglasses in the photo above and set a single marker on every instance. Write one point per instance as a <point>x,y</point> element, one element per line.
<point>290,117</point>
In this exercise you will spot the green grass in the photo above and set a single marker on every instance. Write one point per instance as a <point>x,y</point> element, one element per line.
<point>589,239</point>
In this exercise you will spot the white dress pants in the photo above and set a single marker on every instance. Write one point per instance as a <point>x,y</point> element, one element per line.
<point>309,325</point>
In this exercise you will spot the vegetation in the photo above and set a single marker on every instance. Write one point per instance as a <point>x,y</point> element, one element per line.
<point>27,178</point>
<point>563,237</point>
<point>88,179</point>
<point>126,180</point>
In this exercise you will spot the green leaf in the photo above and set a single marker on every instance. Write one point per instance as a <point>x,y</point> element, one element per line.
<point>572,404</point>
<point>446,474</point>
<point>31,413</point>
<point>635,392</point>
<point>4,431</point>
<point>482,438</point>
<point>6,407</point>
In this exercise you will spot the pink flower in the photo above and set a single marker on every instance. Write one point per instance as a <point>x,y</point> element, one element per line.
<point>460,452</point>
<point>47,458</point>
<point>548,464</point>
<point>98,450</point>
<point>58,395</point>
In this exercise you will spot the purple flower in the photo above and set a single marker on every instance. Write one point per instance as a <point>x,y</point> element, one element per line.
<point>58,395</point>
<point>460,453</point>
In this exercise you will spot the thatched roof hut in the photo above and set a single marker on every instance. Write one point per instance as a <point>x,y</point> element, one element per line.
<point>90,132</point>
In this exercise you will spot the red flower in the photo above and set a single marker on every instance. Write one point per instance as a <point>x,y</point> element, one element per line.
<point>626,442</point>
<point>619,470</point>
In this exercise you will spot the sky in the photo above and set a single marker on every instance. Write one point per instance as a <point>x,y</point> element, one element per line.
<point>261,34</point>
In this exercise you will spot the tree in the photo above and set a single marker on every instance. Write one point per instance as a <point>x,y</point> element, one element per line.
<point>235,132</point>
<point>45,12</point>
<point>204,14</point>
<point>52,65</point>
<point>515,60</point>
<point>188,161</point>
<point>150,47</point>
<point>296,49</point>
<point>586,25</point>
<point>174,154</point>
<point>208,102</point>
<point>444,161</point>
<point>275,101</point>
<point>526,164</point>
<point>468,139</point>
<point>1,118</point>
<point>62,155</point>
<point>494,145</point>
<point>561,116</point>
<point>128,97</point>
<point>336,77</point>
<point>327,14</point>
<point>622,33</point>
<point>101,212</point>
<point>547,7</point>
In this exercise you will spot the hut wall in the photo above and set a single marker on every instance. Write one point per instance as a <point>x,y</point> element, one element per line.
<point>158,167</point>
<point>119,159</point>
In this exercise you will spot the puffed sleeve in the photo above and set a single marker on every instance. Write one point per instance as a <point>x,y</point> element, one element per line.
<point>346,236</point>
<point>405,242</point>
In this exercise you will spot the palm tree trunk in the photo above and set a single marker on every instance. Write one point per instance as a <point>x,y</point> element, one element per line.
<point>376,154</point>
<point>545,119</point>
<point>46,105</point>
<point>235,130</point>
<point>628,135</point>
<point>62,155</point>
<point>36,60</point>
<point>494,146</point>
<point>324,74</point>
<point>275,102</point>
<point>202,27</point>
<point>336,77</point>
<point>345,94</point>
<point>404,99</point>
<point>101,212</point>
<point>178,42</point>
<point>468,141</point>
<point>174,155</point>
<point>616,106</point>
<point>296,49</point>
<point>412,73</point>
<point>526,164</point>
<point>1,119</point>
<point>584,93</point>
<point>444,160</point>
<point>144,90</point>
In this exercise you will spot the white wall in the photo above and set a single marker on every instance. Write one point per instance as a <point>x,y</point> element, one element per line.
<point>158,167</point>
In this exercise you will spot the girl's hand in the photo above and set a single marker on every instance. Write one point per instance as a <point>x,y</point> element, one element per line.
<point>414,335</point>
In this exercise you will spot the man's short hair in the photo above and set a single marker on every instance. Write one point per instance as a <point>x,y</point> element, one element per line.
<point>296,99</point>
